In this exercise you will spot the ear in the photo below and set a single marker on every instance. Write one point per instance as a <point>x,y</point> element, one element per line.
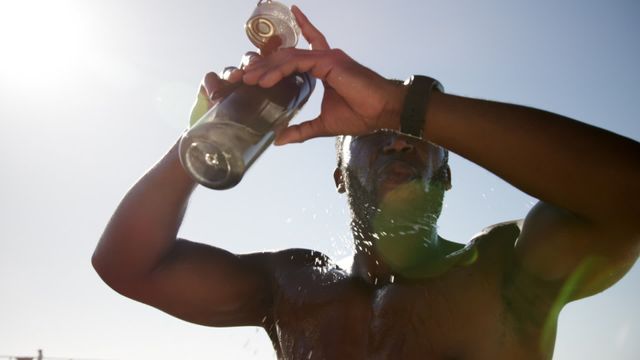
<point>339,180</point>
<point>447,177</point>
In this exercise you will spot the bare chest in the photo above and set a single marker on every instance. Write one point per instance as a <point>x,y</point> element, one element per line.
<point>459,316</point>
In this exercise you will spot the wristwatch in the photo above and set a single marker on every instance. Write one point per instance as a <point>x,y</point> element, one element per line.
<point>416,103</point>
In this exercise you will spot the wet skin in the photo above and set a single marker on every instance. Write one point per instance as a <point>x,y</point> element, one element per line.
<point>409,293</point>
<point>497,298</point>
<point>468,312</point>
<point>468,309</point>
<point>453,302</point>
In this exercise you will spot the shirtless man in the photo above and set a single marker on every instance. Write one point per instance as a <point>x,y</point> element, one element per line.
<point>410,294</point>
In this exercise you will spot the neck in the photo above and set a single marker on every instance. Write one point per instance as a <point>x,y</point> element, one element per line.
<point>395,252</point>
<point>397,238</point>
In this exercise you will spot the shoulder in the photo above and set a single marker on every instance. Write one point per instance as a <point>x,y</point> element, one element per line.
<point>306,274</point>
<point>527,298</point>
<point>496,247</point>
<point>495,244</point>
<point>297,258</point>
<point>303,264</point>
<point>504,232</point>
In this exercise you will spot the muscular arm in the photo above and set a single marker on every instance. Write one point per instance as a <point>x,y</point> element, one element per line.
<point>589,171</point>
<point>585,177</point>
<point>139,256</point>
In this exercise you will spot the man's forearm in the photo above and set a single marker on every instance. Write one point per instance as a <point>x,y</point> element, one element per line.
<point>144,227</point>
<point>587,170</point>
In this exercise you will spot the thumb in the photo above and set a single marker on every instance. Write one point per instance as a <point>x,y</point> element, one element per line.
<point>302,132</point>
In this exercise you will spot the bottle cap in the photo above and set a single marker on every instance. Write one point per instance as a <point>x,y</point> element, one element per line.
<point>272,26</point>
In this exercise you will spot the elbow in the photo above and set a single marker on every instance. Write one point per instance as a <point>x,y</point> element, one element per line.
<point>98,265</point>
<point>109,272</point>
<point>120,277</point>
<point>105,271</point>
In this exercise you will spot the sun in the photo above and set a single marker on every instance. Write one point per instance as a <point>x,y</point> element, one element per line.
<point>42,42</point>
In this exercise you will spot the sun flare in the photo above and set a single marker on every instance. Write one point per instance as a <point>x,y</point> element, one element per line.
<point>42,42</point>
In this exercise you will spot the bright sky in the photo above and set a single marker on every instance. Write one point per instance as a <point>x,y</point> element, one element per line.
<point>92,93</point>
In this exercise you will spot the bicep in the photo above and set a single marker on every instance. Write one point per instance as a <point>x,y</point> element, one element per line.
<point>209,286</point>
<point>556,245</point>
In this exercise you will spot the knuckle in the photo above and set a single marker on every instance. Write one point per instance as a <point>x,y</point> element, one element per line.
<point>337,56</point>
<point>248,58</point>
<point>227,71</point>
<point>211,82</point>
<point>339,53</point>
<point>210,77</point>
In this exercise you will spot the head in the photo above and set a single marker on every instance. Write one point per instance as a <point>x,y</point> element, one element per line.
<point>393,177</point>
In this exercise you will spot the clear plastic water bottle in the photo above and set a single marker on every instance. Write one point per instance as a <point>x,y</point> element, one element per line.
<point>219,148</point>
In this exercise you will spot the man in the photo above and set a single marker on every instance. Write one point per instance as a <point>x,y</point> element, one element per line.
<point>410,294</point>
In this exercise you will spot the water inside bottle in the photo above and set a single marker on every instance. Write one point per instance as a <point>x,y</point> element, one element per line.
<point>225,142</point>
<point>220,152</point>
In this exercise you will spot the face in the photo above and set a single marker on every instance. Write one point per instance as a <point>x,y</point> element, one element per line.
<point>391,178</point>
<point>384,161</point>
<point>395,185</point>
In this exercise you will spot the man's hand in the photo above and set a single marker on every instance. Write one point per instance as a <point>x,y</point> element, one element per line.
<point>215,87</point>
<point>356,100</point>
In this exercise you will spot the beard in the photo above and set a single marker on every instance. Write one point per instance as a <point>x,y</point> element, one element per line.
<point>399,227</point>
<point>409,208</point>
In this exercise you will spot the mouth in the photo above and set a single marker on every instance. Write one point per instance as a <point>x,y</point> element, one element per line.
<point>397,172</point>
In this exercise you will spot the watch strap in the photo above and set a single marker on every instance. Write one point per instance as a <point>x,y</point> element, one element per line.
<point>416,103</point>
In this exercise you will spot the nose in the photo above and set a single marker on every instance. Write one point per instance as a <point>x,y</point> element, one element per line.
<point>397,144</point>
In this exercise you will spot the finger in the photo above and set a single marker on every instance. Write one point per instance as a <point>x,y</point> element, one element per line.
<point>302,132</point>
<point>226,72</point>
<point>318,63</point>
<point>211,85</point>
<point>249,58</point>
<point>285,62</point>
<point>275,74</point>
<point>232,74</point>
<point>313,36</point>
<point>235,76</point>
